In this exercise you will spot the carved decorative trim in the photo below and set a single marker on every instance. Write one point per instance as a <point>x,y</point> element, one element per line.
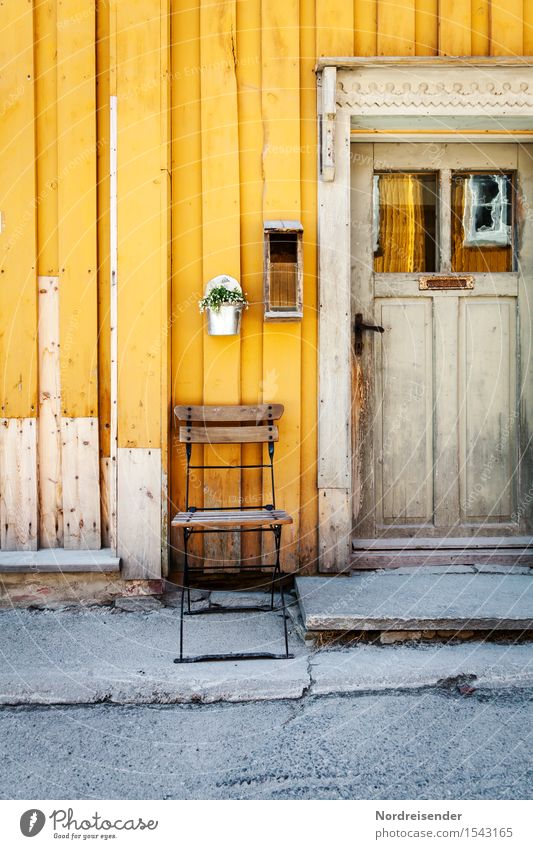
<point>502,90</point>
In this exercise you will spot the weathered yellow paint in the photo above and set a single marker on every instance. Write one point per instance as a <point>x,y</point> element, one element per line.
<point>308,165</point>
<point>139,223</point>
<point>281,199</point>
<point>506,27</point>
<point>251,237</point>
<point>243,132</point>
<point>480,27</point>
<point>334,28</point>
<point>186,322</point>
<point>105,35</point>
<point>455,22</point>
<point>396,28</point>
<point>46,135</point>
<point>220,237</point>
<point>365,27</point>
<point>528,27</point>
<point>76,225</point>
<point>426,27</point>
<point>18,288</point>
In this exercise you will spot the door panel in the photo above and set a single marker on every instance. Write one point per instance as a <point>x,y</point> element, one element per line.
<point>437,423</point>
<point>487,409</point>
<point>404,443</point>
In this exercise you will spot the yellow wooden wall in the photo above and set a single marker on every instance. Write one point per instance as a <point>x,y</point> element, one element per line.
<point>243,94</point>
<point>235,96</point>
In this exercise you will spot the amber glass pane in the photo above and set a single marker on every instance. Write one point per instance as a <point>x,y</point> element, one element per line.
<point>482,222</point>
<point>404,222</point>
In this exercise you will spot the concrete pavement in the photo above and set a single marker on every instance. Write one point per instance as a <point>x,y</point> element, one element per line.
<point>124,655</point>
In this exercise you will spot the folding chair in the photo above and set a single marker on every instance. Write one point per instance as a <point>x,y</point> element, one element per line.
<point>217,426</point>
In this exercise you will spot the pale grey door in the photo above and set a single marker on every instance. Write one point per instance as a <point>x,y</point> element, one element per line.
<point>441,259</point>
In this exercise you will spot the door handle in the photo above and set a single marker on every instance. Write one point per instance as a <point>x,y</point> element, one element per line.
<point>359,327</point>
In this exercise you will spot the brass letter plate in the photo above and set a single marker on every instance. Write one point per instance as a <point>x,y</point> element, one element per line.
<point>446,282</point>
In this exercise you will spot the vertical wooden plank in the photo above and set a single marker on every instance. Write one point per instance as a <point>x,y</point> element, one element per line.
<point>506,28</point>
<point>334,411</point>
<point>76,142</point>
<point>308,172</point>
<point>396,28</point>
<point>18,290</point>
<point>141,287</point>
<point>81,482</point>
<point>139,510</point>
<point>187,273</point>
<point>45,19</point>
<point>49,443</point>
<point>139,232</point>
<point>426,27</point>
<point>524,509</point>
<point>251,198</point>
<point>103,41</point>
<point>455,20</point>
<point>18,484</point>
<point>480,27</point>
<point>165,275</point>
<point>334,28</point>
<point>281,199</point>
<point>220,240</point>
<point>528,27</point>
<point>365,27</point>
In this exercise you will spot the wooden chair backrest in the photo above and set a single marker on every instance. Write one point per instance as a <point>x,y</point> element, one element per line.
<point>215,425</point>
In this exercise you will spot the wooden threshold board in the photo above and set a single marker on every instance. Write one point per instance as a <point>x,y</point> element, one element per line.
<point>59,560</point>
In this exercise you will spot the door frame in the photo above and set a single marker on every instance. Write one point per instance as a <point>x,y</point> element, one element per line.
<point>401,88</point>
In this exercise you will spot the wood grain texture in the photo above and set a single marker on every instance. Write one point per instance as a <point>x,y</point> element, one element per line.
<point>18,291</point>
<point>220,238</point>
<point>335,529</point>
<point>455,35</point>
<point>396,28</point>
<point>18,484</point>
<point>334,27</point>
<point>49,443</point>
<point>139,512</point>
<point>81,483</point>
<point>77,215</point>
<point>365,27</point>
<point>228,435</point>
<point>506,27</point>
<point>229,412</point>
<point>186,322</point>
<point>231,518</point>
<point>140,231</point>
<point>426,27</point>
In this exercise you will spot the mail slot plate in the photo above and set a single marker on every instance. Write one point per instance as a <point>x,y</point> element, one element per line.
<point>446,282</point>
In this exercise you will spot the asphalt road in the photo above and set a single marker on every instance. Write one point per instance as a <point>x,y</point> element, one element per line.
<point>421,745</point>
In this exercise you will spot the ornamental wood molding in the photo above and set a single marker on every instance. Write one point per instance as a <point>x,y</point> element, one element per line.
<point>438,91</point>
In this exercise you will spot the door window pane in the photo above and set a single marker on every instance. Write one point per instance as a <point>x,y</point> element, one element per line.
<point>482,222</point>
<point>404,221</point>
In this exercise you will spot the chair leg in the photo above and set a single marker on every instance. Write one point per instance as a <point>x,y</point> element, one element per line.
<point>277,534</point>
<point>184,586</point>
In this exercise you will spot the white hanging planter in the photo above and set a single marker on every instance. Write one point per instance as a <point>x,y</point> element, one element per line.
<point>225,321</point>
<point>223,318</point>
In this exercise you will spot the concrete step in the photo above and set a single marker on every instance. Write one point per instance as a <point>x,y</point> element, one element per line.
<point>417,600</point>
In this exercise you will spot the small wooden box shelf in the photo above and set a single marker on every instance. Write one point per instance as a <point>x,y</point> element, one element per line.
<point>283,270</point>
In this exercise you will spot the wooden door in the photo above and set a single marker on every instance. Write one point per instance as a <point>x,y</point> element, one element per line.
<point>440,259</point>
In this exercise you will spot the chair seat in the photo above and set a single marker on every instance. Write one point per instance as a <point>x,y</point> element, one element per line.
<point>230,518</point>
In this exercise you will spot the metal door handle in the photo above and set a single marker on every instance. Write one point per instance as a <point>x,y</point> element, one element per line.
<point>359,327</point>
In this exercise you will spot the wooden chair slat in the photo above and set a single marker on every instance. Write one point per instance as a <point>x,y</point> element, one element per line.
<point>231,518</point>
<point>233,435</point>
<point>229,413</point>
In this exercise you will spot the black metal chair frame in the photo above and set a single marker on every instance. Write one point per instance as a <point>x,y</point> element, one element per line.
<point>189,531</point>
